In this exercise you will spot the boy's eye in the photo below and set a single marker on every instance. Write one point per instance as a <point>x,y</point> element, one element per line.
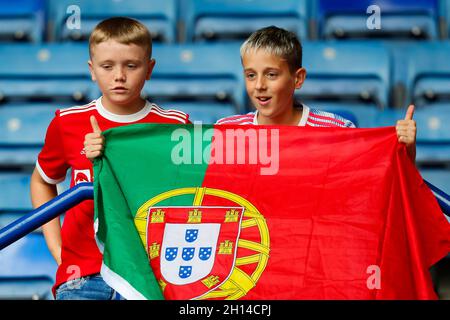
<point>132,66</point>
<point>271,75</point>
<point>106,66</point>
<point>250,76</point>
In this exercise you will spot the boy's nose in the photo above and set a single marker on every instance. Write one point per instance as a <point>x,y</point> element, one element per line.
<point>260,83</point>
<point>120,75</point>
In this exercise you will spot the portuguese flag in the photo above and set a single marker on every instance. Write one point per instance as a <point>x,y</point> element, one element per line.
<point>264,212</point>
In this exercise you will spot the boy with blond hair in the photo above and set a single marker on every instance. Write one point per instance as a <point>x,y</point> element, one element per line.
<point>120,62</point>
<point>272,62</point>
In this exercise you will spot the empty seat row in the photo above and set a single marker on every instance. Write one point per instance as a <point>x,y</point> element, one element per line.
<point>27,269</point>
<point>74,20</point>
<point>23,130</point>
<point>210,20</point>
<point>356,79</point>
<point>391,19</point>
<point>359,73</point>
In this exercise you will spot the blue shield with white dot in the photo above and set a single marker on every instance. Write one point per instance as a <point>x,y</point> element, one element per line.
<point>188,251</point>
<point>185,272</point>
<point>188,254</point>
<point>171,253</point>
<point>205,253</point>
<point>191,235</point>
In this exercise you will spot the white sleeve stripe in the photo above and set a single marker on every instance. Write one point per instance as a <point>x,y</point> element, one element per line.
<point>170,111</point>
<point>336,119</point>
<point>77,111</point>
<point>88,105</point>
<point>168,116</point>
<point>236,120</point>
<point>45,177</point>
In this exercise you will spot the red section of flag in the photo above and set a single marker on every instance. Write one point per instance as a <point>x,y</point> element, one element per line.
<point>347,213</point>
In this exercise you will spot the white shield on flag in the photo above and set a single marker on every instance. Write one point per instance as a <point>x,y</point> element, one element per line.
<point>188,251</point>
<point>191,249</point>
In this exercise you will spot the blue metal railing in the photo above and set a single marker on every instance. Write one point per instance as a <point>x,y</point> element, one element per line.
<point>442,198</point>
<point>85,191</point>
<point>48,211</point>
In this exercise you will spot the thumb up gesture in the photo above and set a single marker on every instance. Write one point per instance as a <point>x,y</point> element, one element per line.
<point>94,142</point>
<point>406,132</point>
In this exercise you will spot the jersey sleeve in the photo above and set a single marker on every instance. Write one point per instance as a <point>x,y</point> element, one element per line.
<point>349,124</point>
<point>343,122</point>
<point>51,162</point>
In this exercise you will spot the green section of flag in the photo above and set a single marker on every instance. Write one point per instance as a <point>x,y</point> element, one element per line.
<point>122,169</point>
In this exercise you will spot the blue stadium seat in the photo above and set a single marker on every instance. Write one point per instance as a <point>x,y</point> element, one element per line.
<point>236,19</point>
<point>27,270</point>
<point>400,19</point>
<point>432,123</point>
<point>198,78</point>
<point>433,134</point>
<point>25,288</point>
<point>52,73</point>
<point>444,18</point>
<point>427,75</point>
<point>439,177</point>
<point>22,20</point>
<point>15,196</point>
<point>159,16</point>
<point>347,76</point>
<point>22,133</point>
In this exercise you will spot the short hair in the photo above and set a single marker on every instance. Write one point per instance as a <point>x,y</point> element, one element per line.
<point>124,30</point>
<point>276,41</point>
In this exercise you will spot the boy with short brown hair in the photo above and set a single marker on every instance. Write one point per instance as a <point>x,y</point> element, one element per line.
<point>120,62</point>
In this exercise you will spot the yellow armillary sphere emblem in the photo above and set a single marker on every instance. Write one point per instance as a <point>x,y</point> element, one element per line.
<point>239,282</point>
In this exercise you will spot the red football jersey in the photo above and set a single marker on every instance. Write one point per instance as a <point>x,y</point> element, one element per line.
<point>310,118</point>
<point>64,149</point>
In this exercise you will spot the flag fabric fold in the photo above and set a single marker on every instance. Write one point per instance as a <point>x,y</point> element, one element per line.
<point>264,212</point>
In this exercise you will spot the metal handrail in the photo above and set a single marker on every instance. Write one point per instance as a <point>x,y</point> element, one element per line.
<point>84,191</point>
<point>48,211</point>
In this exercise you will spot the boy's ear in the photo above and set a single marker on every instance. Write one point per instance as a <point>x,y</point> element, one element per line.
<point>300,76</point>
<point>91,70</point>
<point>151,65</point>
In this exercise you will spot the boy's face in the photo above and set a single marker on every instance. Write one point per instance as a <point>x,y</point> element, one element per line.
<point>270,84</point>
<point>120,71</point>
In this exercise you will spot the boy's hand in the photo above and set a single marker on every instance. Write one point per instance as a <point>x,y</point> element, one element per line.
<point>94,142</point>
<point>406,132</point>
